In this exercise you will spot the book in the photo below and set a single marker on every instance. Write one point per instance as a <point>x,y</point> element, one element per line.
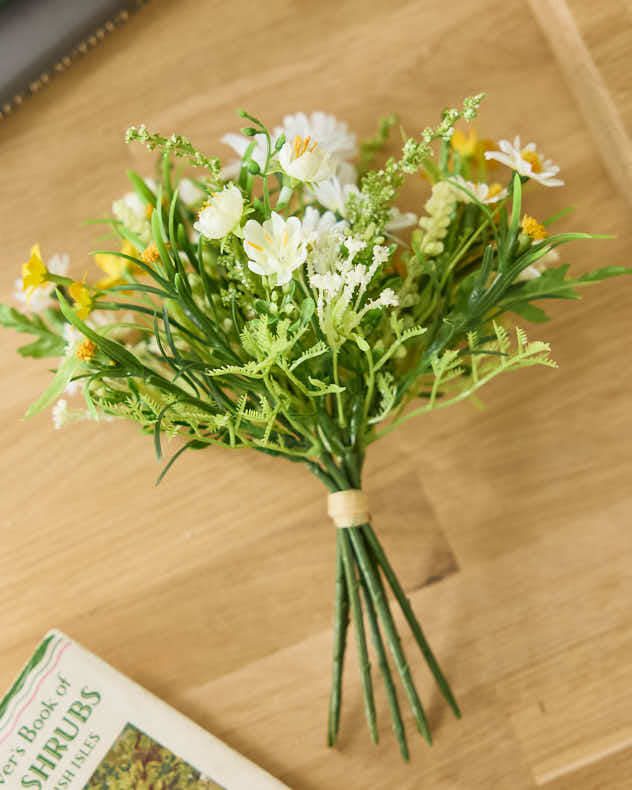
<point>72,722</point>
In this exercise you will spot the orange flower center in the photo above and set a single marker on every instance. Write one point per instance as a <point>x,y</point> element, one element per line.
<point>303,144</point>
<point>532,228</point>
<point>150,255</point>
<point>533,159</point>
<point>86,350</point>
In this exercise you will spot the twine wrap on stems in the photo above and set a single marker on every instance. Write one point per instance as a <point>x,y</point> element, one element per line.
<point>348,508</point>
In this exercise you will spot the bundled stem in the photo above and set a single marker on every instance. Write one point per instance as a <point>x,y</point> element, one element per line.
<point>360,564</point>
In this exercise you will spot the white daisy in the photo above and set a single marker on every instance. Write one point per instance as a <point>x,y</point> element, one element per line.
<point>316,224</point>
<point>222,214</point>
<point>275,248</point>
<point>527,162</point>
<point>484,193</point>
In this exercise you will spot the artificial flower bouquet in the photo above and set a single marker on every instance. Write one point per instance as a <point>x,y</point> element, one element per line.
<point>286,304</point>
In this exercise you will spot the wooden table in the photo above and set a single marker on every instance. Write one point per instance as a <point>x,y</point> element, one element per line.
<point>510,526</point>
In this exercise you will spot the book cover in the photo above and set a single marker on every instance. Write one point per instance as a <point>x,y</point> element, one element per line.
<point>72,722</point>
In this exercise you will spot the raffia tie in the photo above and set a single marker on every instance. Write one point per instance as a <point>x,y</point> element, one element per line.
<point>348,508</point>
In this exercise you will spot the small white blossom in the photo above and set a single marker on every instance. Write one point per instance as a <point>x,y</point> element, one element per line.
<point>316,224</point>
<point>132,212</point>
<point>333,194</point>
<point>535,269</point>
<point>304,160</point>
<point>60,413</point>
<point>38,300</point>
<point>189,192</point>
<point>222,214</point>
<point>484,193</point>
<point>340,285</point>
<point>526,162</point>
<point>388,298</point>
<point>398,220</point>
<point>276,248</point>
<point>59,264</point>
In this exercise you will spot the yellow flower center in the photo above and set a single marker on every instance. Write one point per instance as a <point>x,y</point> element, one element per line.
<point>303,144</point>
<point>532,228</point>
<point>150,254</point>
<point>494,189</point>
<point>533,159</point>
<point>86,350</point>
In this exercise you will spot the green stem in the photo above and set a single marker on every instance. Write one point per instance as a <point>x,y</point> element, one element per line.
<point>341,623</point>
<point>356,613</point>
<point>381,604</point>
<point>370,384</point>
<point>341,416</point>
<point>404,603</point>
<point>391,693</point>
<point>337,474</point>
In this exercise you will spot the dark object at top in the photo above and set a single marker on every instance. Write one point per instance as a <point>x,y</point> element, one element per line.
<point>39,37</point>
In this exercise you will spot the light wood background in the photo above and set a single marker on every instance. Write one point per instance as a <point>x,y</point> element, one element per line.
<point>215,590</point>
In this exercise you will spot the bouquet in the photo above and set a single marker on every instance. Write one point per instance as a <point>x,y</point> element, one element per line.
<point>284,303</point>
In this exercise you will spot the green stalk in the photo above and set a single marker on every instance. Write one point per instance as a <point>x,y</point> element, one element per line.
<point>381,604</point>
<point>402,599</point>
<point>341,623</point>
<point>391,693</point>
<point>356,613</point>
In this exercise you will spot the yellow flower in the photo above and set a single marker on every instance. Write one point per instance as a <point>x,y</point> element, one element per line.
<point>116,267</point>
<point>150,254</point>
<point>86,350</point>
<point>465,146</point>
<point>34,273</point>
<point>83,300</point>
<point>532,228</point>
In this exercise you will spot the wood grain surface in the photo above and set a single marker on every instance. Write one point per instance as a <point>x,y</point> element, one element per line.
<point>215,589</point>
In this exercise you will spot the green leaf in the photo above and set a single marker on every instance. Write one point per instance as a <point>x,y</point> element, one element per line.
<point>111,348</point>
<point>529,311</point>
<point>159,235</point>
<point>602,274</point>
<point>308,307</point>
<point>66,371</point>
<point>48,344</point>
<point>516,205</point>
<point>361,343</point>
<point>141,188</point>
